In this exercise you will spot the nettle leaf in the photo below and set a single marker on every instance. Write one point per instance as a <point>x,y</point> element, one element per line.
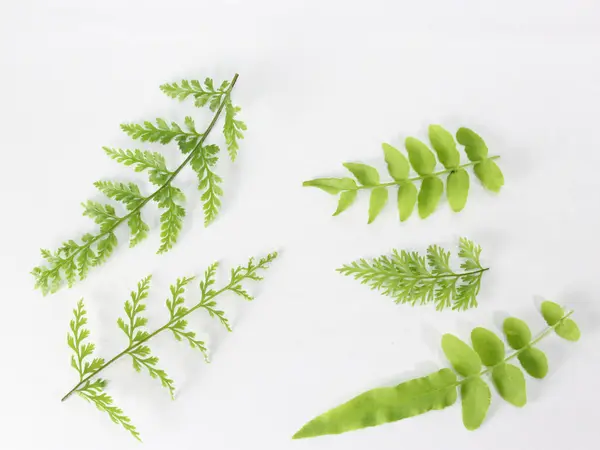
<point>462,357</point>
<point>74,259</point>
<point>444,145</point>
<point>488,346</point>
<point>366,175</point>
<point>458,189</point>
<point>332,185</point>
<point>383,405</point>
<point>475,147</point>
<point>510,384</point>
<point>476,399</point>
<point>428,185</point>
<point>406,277</point>
<point>439,389</point>
<point>134,326</point>
<point>397,163</point>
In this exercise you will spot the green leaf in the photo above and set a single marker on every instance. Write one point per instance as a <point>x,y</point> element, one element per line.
<point>152,162</point>
<point>553,313</point>
<point>489,174</point>
<point>462,357</point>
<point>209,182</point>
<point>488,346</point>
<point>534,362</point>
<point>444,145</point>
<point>476,399</point>
<point>383,405</point>
<point>232,128</point>
<point>346,200</point>
<point>407,198</point>
<point>431,191</point>
<point>332,185</point>
<point>510,384</point>
<point>517,333</point>
<point>457,189</point>
<point>474,145</point>
<point>171,221</point>
<point>379,197</point>
<point>568,330</point>
<point>366,175</point>
<point>397,163</point>
<point>127,193</point>
<point>421,158</point>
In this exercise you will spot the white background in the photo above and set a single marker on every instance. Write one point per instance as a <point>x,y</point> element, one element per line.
<point>320,83</point>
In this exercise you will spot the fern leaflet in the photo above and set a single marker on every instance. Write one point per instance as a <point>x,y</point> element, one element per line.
<point>73,260</point>
<point>423,162</point>
<point>406,277</point>
<point>134,326</point>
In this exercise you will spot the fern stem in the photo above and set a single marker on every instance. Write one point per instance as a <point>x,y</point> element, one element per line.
<point>421,177</point>
<point>130,348</point>
<point>167,183</point>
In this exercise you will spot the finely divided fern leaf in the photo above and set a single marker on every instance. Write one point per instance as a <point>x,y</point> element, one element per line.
<point>408,277</point>
<point>74,259</point>
<point>134,326</point>
<point>423,162</point>
<point>472,366</point>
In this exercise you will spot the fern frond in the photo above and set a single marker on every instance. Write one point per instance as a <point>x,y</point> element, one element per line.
<point>423,161</point>
<point>134,326</point>
<point>406,277</point>
<point>439,389</point>
<point>232,129</point>
<point>74,258</point>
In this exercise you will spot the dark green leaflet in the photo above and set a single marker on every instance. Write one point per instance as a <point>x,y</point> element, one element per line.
<point>439,389</point>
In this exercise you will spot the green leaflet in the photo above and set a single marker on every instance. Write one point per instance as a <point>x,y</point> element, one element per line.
<point>406,277</point>
<point>457,189</point>
<point>567,329</point>
<point>383,405</point>
<point>510,384</point>
<point>430,194</point>
<point>462,357</point>
<point>476,399</point>
<point>423,162</point>
<point>397,163</point>
<point>134,323</point>
<point>517,333</point>
<point>407,198</point>
<point>73,260</point>
<point>438,390</point>
<point>379,197</point>
<point>488,346</point>
<point>444,145</point>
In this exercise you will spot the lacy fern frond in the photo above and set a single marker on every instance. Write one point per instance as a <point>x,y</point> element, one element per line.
<point>473,367</point>
<point>134,326</point>
<point>74,259</point>
<point>406,277</point>
<point>423,161</point>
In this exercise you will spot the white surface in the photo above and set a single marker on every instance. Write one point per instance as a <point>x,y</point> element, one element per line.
<point>320,83</point>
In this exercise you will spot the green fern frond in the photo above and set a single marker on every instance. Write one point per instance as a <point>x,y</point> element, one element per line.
<point>423,161</point>
<point>471,369</point>
<point>134,326</point>
<point>406,277</point>
<point>73,260</point>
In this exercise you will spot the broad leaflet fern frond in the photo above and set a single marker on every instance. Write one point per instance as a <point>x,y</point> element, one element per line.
<point>472,367</point>
<point>423,162</point>
<point>73,260</point>
<point>134,326</point>
<point>406,277</point>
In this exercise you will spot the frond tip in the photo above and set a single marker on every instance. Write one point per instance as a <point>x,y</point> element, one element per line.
<point>423,162</point>
<point>406,277</point>
<point>75,258</point>
<point>134,326</point>
<point>486,358</point>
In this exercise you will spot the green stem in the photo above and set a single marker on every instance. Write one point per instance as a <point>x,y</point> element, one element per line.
<point>172,321</point>
<point>195,150</point>
<point>421,177</point>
